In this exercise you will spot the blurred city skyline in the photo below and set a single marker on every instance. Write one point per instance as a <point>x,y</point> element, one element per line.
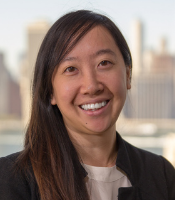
<point>148,27</point>
<point>158,18</point>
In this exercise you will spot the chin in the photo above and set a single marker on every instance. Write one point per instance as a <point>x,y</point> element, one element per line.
<point>100,129</point>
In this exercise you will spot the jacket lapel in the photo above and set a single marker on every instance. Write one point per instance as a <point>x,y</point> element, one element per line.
<point>124,164</point>
<point>129,193</point>
<point>133,193</point>
<point>123,161</point>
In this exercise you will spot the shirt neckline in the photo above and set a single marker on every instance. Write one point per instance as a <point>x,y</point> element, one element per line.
<point>104,174</point>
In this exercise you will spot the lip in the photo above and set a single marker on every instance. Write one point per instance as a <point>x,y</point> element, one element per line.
<point>98,111</point>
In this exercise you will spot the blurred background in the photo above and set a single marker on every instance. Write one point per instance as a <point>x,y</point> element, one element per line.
<point>148,118</point>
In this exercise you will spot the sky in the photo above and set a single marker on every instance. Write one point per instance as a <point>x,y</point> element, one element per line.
<point>157,16</point>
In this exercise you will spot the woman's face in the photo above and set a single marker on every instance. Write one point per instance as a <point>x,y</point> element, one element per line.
<point>90,84</point>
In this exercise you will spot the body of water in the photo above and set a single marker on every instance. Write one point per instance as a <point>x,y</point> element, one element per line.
<point>12,141</point>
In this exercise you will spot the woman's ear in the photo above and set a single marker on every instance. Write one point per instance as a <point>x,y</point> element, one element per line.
<point>53,100</point>
<point>128,76</point>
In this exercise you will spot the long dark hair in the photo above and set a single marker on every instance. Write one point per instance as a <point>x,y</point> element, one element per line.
<point>55,162</point>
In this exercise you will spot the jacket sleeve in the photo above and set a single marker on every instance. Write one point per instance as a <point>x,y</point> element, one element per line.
<point>13,185</point>
<point>169,171</point>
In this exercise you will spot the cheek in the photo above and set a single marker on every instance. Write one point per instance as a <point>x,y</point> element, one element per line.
<point>65,94</point>
<point>117,83</point>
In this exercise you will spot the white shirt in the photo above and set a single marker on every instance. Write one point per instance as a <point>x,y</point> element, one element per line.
<point>103,182</point>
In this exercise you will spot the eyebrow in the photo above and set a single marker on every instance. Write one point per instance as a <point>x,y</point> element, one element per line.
<point>69,59</point>
<point>104,51</point>
<point>98,53</point>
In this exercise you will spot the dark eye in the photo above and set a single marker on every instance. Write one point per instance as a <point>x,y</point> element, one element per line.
<point>105,62</point>
<point>70,69</point>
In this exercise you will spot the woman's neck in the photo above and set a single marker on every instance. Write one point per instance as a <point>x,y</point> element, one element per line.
<point>96,149</point>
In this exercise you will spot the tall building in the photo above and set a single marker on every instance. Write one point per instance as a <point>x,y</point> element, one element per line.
<point>153,86</point>
<point>35,34</point>
<point>155,97</point>
<point>4,79</point>
<point>10,101</point>
<point>136,46</point>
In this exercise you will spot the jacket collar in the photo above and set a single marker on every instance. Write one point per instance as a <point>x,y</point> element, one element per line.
<point>123,161</point>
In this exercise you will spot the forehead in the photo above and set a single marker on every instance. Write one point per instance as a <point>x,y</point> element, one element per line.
<point>98,39</point>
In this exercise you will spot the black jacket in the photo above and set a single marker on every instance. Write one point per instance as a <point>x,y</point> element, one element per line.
<point>152,177</point>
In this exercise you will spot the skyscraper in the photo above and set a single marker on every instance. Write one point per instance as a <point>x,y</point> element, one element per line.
<point>136,45</point>
<point>10,101</point>
<point>152,94</point>
<point>35,34</point>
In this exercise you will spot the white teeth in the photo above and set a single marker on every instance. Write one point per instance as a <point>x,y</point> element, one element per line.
<point>97,105</point>
<point>93,106</point>
<point>85,107</point>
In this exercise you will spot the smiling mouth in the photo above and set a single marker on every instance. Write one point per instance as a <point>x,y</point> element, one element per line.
<point>94,106</point>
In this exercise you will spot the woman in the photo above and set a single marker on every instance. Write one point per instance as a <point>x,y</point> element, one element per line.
<point>72,150</point>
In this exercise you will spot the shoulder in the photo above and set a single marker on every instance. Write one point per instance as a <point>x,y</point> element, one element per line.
<point>10,159</point>
<point>137,157</point>
<point>151,168</point>
<point>144,158</point>
<point>14,182</point>
<point>7,166</point>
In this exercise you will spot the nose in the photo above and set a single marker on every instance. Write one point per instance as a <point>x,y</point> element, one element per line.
<point>91,85</point>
